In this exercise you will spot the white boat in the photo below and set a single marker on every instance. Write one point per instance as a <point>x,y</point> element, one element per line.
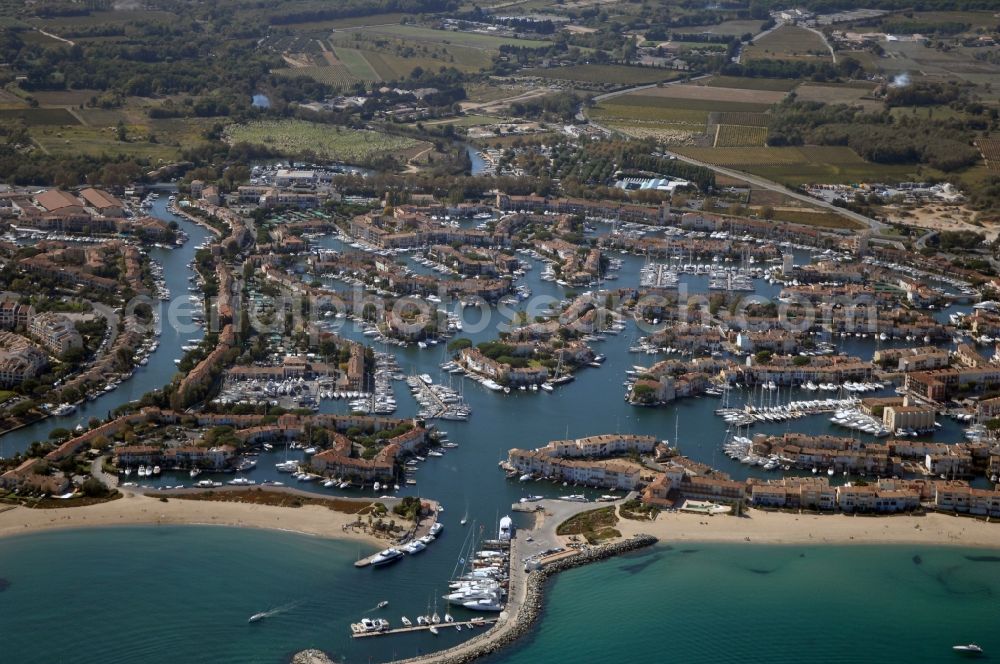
<point>436,528</point>
<point>414,547</point>
<point>406,621</point>
<point>258,616</point>
<point>968,649</point>
<point>385,557</point>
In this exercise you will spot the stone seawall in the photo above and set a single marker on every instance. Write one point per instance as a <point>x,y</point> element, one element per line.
<point>504,633</point>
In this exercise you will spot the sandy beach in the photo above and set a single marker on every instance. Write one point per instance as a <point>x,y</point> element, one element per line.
<point>137,509</point>
<point>785,528</point>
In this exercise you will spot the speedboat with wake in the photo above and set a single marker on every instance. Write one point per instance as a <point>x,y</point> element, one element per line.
<point>968,649</point>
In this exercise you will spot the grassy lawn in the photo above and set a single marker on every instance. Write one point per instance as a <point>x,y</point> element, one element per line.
<point>330,142</point>
<point>594,525</point>
<point>603,517</point>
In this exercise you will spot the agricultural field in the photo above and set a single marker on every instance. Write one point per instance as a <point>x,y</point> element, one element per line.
<point>794,166</point>
<point>745,119</point>
<point>990,147</point>
<point>348,22</point>
<point>96,141</point>
<point>739,136</point>
<point>821,218</point>
<point>716,94</point>
<point>464,121</point>
<point>64,97</point>
<point>293,137</point>
<point>38,116</point>
<point>467,39</point>
<point>356,64</point>
<point>729,28</point>
<point>336,75</point>
<point>59,24</point>
<point>617,75</point>
<point>834,94</point>
<point>633,110</point>
<point>748,83</point>
<point>394,58</point>
<point>667,133</point>
<point>916,59</point>
<point>788,43</point>
<point>488,91</point>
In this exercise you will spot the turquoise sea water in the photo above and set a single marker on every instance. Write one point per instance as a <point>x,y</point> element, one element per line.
<point>183,594</point>
<point>759,604</point>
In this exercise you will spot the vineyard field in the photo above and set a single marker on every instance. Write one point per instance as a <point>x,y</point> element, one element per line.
<point>356,64</point>
<point>737,136</point>
<point>990,147</point>
<point>738,118</point>
<point>337,75</point>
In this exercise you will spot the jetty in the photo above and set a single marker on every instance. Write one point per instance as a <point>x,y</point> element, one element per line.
<point>425,628</point>
<point>422,529</point>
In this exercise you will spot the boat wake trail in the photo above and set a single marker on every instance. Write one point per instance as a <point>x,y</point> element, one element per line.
<point>278,610</point>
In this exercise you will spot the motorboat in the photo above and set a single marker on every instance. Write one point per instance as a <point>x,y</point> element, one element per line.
<point>968,649</point>
<point>381,605</point>
<point>258,616</point>
<point>436,528</point>
<point>385,557</point>
<point>414,547</point>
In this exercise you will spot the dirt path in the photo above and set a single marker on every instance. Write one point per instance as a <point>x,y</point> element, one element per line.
<point>57,37</point>
<point>410,166</point>
<point>829,46</point>
<point>497,104</point>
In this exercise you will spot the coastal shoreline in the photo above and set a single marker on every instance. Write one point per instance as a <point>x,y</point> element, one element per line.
<point>767,527</point>
<point>136,509</point>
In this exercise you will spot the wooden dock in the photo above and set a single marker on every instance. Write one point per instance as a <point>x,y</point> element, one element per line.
<point>472,624</point>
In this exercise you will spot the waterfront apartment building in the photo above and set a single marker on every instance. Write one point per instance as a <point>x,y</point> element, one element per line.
<point>918,418</point>
<point>56,332</point>
<point>20,359</point>
<point>676,485</point>
<point>967,500</point>
<point>13,314</point>
<point>584,460</point>
<point>941,384</point>
<point>876,500</point>
<point>785,370</point>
